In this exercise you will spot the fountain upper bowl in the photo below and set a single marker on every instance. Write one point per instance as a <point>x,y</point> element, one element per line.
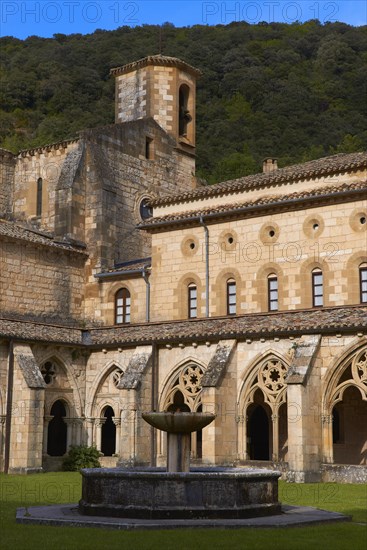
<point>178,422</point>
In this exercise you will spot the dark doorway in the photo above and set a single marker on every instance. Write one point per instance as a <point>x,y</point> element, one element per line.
<point>259,434</point>
<point>57,430</point>
<point>108,442</point>
<point>349,428</point>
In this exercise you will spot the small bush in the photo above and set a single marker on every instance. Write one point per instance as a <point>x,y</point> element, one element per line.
<point>81,456</point>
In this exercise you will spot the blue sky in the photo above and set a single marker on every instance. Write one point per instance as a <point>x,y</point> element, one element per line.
<point>22,18</point>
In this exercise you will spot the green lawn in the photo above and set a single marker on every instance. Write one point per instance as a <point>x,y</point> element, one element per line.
<point>16,491</point>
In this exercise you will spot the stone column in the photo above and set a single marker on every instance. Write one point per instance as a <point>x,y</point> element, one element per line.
<point>327,439</point>
<point>241,436</point>
<point>209,403</point>
<point>77,427</point>
<point>99,423</point>
<point>275,421</point>
<point>2,433</point>
<point>128,428</point>
<point>46,421</point>
<point>117,422</point>
<point>89,425</point>
<point>69,433</point>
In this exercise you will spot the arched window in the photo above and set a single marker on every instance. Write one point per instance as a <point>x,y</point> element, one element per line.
<point>317,288</point>
<point>192,301</point>
<point>231,297</point>
<point>363,282</point>
<point>184,116</point>
<point>145,210</point>
<point>39,197</point>
<point>122,306</point>
<point>273,304</point>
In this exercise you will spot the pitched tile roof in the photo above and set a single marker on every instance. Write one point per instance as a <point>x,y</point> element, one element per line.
<point>49,147</point>
<point>127,267</point>
<point>18,232</point>
<point>312,321</point>
<point>160,60</point>
<point>251,325</point>
<point>315,168</point>
<point>18,329</point>
<point>256,204</point>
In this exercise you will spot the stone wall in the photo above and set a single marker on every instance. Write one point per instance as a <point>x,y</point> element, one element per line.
<point>48,164</point>
<point>7,167</point>
<point>244,251</point>
<point>40,281</point>
<point>118,178</point>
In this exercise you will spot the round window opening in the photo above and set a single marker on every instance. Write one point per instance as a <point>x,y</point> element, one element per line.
<point>362,220</point>
<point>145,209</point>
<point>271,233</point>
<point>315,226</point>
<point>192,245</point>
<point>230,239</point>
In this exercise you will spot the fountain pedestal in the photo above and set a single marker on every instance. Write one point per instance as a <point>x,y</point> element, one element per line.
<point>178,452</point>
<point>179,427</point>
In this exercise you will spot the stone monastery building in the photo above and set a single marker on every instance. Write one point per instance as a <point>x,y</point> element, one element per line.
<point>126,285</point>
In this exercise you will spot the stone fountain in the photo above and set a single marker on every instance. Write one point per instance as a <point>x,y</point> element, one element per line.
<point>179,492</point>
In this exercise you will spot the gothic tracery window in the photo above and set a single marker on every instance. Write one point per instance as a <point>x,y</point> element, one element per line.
<point>49,372</point>
<point>116,377</point>
<point>188,384</point>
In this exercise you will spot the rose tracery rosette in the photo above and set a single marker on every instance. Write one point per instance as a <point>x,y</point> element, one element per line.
<point>190,380</point>
<point>116,377</point>
<point>49,372</point>
<point>359,368</point>
<point>272,376</point>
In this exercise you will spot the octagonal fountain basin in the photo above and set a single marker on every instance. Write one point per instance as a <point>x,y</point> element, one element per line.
<point>178,422</point>
<point>201,493</point>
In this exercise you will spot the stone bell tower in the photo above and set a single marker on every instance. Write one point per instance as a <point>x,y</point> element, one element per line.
<point>163,88</point>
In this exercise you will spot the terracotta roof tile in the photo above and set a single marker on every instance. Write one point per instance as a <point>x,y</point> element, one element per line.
<point>18,232</point>
<point>160,60</point>
<point>314,168</point>
<point>32,331</point>
<point>134,265</point>
<point>49,147</point>
<point>311,321</point>
<point>268,200</point>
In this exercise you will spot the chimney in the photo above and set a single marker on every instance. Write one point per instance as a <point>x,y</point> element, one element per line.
<point>270,165</point>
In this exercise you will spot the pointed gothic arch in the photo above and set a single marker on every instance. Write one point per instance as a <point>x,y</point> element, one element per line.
<point>345,408</point>
<point>182,391</point>
<point>112,366</point>
<point>65,365</point>
<point>262,401</point>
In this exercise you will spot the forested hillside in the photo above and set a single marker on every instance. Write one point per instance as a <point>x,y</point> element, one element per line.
<point>296,92</point>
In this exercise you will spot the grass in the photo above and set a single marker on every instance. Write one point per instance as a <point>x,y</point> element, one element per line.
<point>17,491</point>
